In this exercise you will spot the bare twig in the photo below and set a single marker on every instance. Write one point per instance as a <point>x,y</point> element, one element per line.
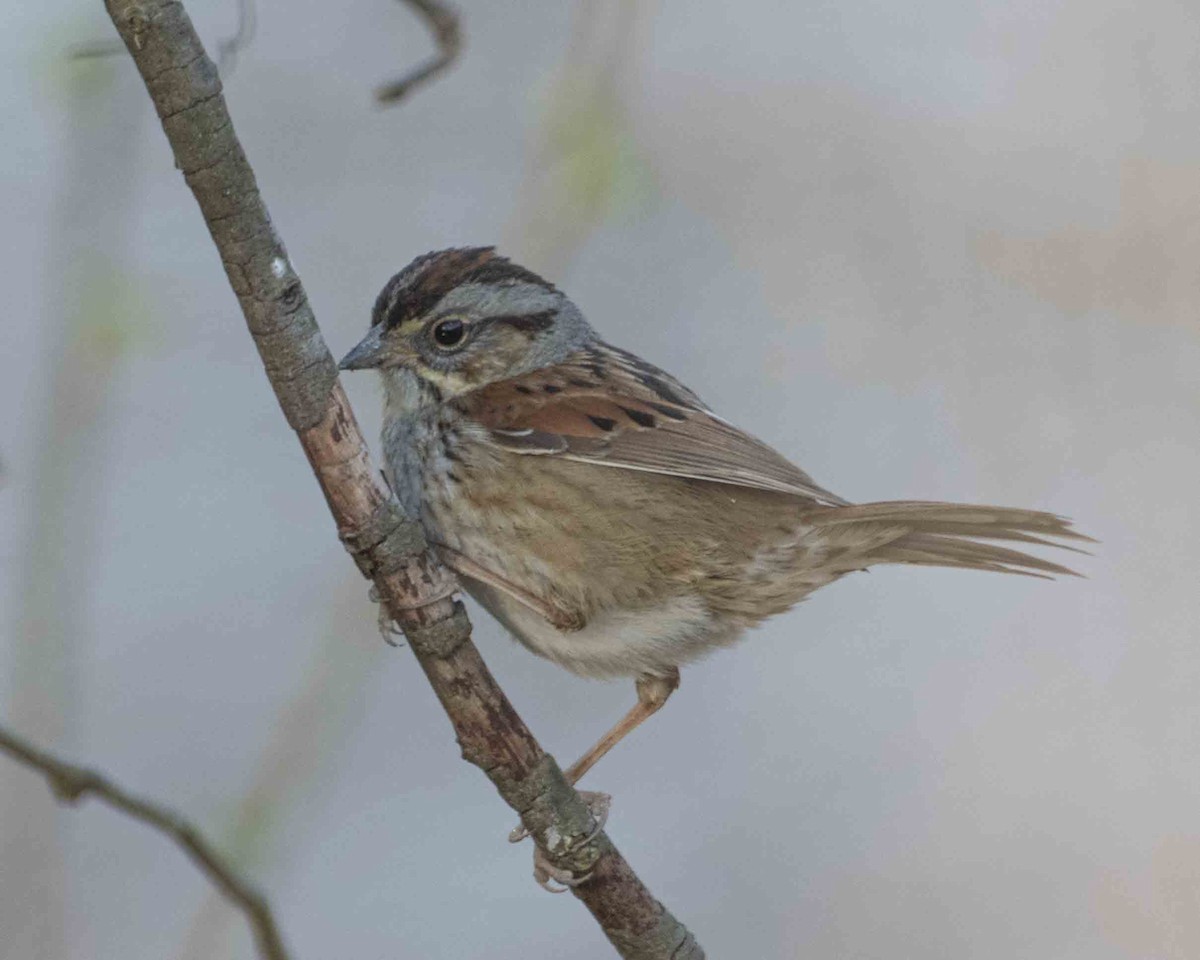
<point>71,784</point>
<point>229,48</point>
<point>387,546</point>
<point>443,23</point>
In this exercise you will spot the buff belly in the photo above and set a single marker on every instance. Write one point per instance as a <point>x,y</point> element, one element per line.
<point>615,643</point>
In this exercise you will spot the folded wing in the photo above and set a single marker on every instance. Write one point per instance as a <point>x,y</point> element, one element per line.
<point>607,407</point>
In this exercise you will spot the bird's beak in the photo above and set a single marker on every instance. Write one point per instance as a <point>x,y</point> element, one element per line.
<point>369,353</point>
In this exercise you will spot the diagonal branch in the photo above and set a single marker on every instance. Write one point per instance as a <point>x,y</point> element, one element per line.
<point>72,784</point>
<point>443,23</point>
<point>388,548</point>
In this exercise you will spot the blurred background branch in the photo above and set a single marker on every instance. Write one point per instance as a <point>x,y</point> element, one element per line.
<point>228,47</point>
<point>443,23</point>
<point>72,784</point>
<point>90,329</point>
<point>585,163</point>
<point>309,735</point>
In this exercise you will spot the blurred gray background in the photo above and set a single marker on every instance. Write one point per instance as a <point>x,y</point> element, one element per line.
<point>945,251</point>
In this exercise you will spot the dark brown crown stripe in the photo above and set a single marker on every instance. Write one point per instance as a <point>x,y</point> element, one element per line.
<point>416,289</point>
<point>427,279</point>
<point>501,270</point>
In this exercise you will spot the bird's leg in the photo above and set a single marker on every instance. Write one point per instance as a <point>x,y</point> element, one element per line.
<point>652,693</point>
<point>387,626</point>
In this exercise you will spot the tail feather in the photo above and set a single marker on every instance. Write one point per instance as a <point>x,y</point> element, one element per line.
<point>950,535</point>
<point>995,533</point>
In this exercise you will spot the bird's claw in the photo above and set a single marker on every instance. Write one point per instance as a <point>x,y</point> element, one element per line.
<point>543,870</point>
<point>599,804</point>
<point>387,626</point>
<point>517,833</point>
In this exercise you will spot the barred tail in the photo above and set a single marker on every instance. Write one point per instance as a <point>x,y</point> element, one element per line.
<point>949,535</point>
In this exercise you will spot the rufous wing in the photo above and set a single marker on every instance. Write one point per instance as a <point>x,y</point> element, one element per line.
<point>607,407</point>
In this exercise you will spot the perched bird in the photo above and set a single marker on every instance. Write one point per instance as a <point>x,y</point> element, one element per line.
<point>596,507</point>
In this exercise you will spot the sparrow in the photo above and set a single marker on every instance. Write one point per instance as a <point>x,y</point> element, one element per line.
<point>597,507</point>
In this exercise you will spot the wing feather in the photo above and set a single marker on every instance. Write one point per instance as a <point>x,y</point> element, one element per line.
<point>608,407</point>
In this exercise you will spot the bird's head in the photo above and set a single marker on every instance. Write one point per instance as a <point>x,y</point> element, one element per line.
<point>459,319</point>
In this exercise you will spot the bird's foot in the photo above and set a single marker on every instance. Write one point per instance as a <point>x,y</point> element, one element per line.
<point>387,626</point>
<point>546,873</point>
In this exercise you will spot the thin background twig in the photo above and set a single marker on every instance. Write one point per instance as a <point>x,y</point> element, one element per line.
<point>90,326</point>
<point>443,23</point>
<point>72,784</point>
<point>303,747</point>
<point>227,48</point>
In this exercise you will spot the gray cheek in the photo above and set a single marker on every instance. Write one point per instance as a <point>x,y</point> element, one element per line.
<point>569,333</point>
<point>401,453</point>
<point>495,353</point>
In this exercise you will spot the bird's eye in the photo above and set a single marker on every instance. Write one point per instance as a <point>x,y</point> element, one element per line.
<point>449,333</point>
